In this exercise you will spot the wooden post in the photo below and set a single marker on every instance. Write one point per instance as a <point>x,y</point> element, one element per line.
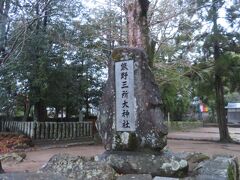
<point>71,130</point>
<point>74,130</point>
<point>37,130</point>
<point>67,130</point>
<point>91,129</point>
<point>59,131</point>
<point>64,130</point>
<point>84,129</point>
<point>168,119</point>
<point>47,130</point>
<point>55,131</point>
<point>78,129</point>
<point>50,130</point>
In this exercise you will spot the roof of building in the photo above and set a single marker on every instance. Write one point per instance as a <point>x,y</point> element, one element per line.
<point>233,106</point>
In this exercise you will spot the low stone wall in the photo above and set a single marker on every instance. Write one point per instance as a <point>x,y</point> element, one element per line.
<point>183,125</point>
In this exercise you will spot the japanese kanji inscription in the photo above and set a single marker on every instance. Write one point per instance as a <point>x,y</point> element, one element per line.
<point>124,80</point>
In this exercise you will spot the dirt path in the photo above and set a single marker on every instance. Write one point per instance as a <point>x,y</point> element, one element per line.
<point>37,158</point>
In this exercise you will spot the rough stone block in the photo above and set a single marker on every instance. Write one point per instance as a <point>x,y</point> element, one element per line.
<point>193,159</point>
<point>79,168</point>
<point>158,164</point>
<point>220,167</point>
<point>164,178</point>
<point>31,176</point>
<point>135,177</point>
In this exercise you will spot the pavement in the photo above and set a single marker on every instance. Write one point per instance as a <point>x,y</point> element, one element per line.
<point>204,134</point>
<point>204,140</point>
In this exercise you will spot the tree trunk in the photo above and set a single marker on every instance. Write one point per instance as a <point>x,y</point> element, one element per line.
<point>138,30</point>
<point>87,107</point>
<point>62,113</point>
<point>67,112</point>
<point>26,112</point>
<point>137,23</point>
<point>40,111</point>
<point>219,88</point>
<point>27,108</point>
<point>220,109</point>
<point>57,110</point>
<point>4,9</point>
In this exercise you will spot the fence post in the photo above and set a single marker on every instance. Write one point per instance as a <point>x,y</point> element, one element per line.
<point>91,129</point>
<point>38,130</point>
<point>74,130</point>
<point>50,130</point>
<point>71,130</point>
<point>77,129</point>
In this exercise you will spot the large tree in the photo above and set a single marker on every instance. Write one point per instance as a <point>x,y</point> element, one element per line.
<point>138,27</point>
<point>53,45</point>
<point>214,42</point>
<point>4,10</point>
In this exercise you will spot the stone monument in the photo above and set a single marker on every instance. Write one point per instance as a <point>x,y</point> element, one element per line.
<point>130,122</point>
<point>130,112</point>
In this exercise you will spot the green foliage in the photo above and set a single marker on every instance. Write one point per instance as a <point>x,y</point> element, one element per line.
<point>57,61</point>
<point>58,52</point>
<point>233,97</point>
<point>175,90</point>
<point>184,125</point>
<point>230,172</point>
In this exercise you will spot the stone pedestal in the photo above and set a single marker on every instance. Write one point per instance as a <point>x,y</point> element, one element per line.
<point>78,168</point>
<point>150,132</point>
<point>165,164</point>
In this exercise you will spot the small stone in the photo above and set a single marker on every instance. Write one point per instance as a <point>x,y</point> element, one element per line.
<point>193,159</point>
<point>164,178</point>
<point>18,157</point>
<point>135,177</point>
<point>162,164</point>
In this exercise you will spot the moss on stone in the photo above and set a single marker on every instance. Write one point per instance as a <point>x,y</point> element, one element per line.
<point>132,142</point>
<point>116,55</point>
<point>118,142</point>
<point>230,172</point>
<point>197,157</point>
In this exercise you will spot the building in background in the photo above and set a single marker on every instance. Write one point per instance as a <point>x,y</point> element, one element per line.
<point>233,113</point>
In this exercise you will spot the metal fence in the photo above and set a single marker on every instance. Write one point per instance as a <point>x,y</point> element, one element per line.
<point>50,130</point>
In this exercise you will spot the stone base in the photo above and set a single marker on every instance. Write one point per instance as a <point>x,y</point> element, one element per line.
<point>156,164</point>
<point>135,177</point>
<point>135,165</point>
<point>218,168</point>
<point>78,168</point>
<point>31,176</point>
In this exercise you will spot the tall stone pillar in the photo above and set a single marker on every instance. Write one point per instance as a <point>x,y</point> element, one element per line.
<point>130,110</point>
